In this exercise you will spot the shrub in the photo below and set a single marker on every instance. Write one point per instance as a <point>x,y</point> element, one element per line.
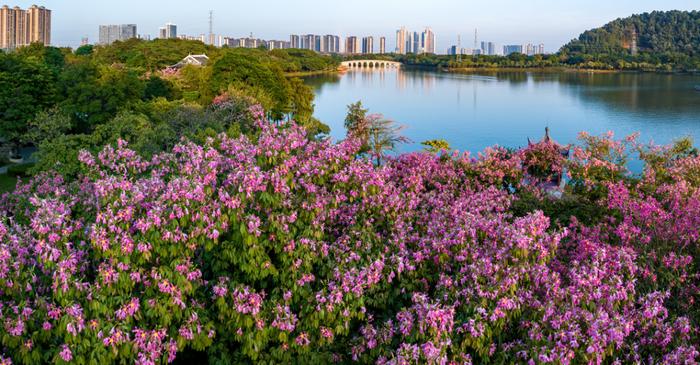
<point>19,170</point>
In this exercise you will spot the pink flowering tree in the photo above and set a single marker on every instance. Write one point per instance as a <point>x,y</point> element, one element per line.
<point>277,248</point>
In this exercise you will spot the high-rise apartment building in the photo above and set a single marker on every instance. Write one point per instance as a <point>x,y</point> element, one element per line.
<point>382,45</point>
<point>410,42</point>
<point>323,48</point>
<point>368,45</point>
<point>513,48</point>
<point>455,50</point>
<point>414,42</point>
<point>428,40</point>
<point>352,45</point>
<point>323,44</point>
<point>169,31</point>
<point>311,42</point>
<point>295,41</point>
<point>39,25</point>
<point>12,27</point>
<point>488,48</point>
<point>330,44</point>
<point>112,33</point>
<point>20,27</point>
<point>416,45</point>
<point>127,31</point>
<point>531,49</point>
<point>277,45</point>
<point>201,38</point>
<point>401,40</point>
<point>251,42</point>
<point>307,41</point>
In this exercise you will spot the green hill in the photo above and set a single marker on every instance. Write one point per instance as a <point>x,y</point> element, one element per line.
<point>658,32</point>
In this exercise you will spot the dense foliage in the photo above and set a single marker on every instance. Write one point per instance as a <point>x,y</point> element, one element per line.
<point>25,89</point>
<point>161,53</point>
<point>672,32</point>
<point>149,129</point>
<point>275,248</point>
<point>130,89</point>
<point>665,41</point>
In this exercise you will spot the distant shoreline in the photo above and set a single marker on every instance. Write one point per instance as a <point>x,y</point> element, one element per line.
<point>552,69</point>
<point>311,73</point>
<point>534,69</point>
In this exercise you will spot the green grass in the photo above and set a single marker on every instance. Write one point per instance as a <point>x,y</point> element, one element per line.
<point>7,183</point>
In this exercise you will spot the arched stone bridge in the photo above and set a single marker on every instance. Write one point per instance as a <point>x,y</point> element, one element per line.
<point>370,64</point>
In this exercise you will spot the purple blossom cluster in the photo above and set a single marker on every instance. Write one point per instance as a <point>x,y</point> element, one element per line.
<point>282,249</point>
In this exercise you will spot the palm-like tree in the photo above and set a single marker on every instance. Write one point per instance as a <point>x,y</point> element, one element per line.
<point>383,135</point>
<point>377,134</point>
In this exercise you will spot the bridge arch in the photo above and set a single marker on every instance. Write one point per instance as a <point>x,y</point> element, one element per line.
<point>371,64</point>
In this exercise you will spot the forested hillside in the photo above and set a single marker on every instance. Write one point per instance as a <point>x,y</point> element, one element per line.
<point>656,37</point>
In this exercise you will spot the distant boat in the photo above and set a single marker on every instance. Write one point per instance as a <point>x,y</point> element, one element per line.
<point>697,88</point>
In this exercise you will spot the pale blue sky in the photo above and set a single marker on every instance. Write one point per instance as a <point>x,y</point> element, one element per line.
<point>552,22</point>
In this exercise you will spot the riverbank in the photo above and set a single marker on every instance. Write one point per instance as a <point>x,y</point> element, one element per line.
<point>541,69</point>
<point>533,69</point>
<point>312,73</point>
<point>563,69</point>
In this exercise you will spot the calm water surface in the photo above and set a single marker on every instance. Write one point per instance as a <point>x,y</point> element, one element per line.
<point>474,111</point>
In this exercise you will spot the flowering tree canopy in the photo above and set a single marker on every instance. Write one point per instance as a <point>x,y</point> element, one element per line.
<point>277,248</point>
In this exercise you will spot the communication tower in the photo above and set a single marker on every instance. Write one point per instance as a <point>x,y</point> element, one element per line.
<point>459,48</point>
<point>211,27</point>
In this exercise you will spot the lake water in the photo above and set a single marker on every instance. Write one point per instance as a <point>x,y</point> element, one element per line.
<point>473,111</point>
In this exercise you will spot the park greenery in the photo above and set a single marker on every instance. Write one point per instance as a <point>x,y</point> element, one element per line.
<point>62,101</point>
<point>666,42</point>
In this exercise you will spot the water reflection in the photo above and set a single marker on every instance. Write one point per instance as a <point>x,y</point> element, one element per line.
<point>635,92</point>
<point>476,110</point>
<point>322,80</point>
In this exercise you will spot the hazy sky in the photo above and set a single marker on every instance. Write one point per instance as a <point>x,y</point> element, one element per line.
<point>552,22</point>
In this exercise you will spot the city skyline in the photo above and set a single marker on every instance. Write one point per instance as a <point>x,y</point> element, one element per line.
<point>412,42</point>
<point>512,23</point>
